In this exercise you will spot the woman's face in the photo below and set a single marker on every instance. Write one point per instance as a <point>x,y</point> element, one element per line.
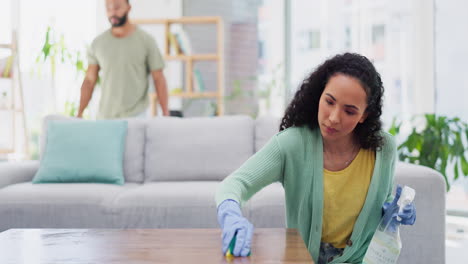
<point>342,106</point>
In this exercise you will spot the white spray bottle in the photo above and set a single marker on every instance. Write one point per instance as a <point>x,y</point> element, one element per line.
<point>385,245</point>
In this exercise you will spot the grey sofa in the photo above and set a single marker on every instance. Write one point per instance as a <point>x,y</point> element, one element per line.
<point>172,167</point>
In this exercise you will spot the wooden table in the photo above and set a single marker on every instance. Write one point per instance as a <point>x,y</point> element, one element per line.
<point>275,245</point>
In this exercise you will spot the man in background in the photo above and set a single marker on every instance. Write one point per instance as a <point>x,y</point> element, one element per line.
<point>124,55</point>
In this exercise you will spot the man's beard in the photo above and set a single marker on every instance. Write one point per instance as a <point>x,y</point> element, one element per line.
<point>120,20</point>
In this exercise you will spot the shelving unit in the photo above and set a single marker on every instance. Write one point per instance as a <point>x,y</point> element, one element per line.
<point>189,59</point>
<point>15,106</point>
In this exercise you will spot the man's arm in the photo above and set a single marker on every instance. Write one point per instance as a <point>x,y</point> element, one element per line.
<point>161,90</point>
<point>87,87</point>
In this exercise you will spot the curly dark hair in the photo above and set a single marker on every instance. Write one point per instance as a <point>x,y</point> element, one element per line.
<point>303,109</point>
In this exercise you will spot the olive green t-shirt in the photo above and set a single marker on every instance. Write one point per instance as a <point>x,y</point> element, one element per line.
<point>125,64</point>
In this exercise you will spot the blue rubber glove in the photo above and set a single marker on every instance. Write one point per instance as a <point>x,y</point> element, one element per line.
<point>233,223</point>
<point>408,215</point>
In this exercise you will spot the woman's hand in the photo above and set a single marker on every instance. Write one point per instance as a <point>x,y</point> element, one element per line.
<point>234,224</point>
<point>407,216</point>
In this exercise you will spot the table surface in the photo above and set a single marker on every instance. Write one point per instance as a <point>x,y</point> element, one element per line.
<point>269,245</point>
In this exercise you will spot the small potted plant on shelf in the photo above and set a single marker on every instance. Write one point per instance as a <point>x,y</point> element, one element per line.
<point>4,100</point>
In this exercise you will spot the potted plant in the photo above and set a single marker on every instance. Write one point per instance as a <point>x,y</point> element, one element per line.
<point>4,100</point>
<point>439,142</point>
<point>54,51</point>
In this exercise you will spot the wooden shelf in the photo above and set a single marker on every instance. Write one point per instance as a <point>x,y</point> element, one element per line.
<point>193,57</point>
<point>6,46</point>
<point>189,60</point>
<point>196,95</point>
<point>190,95</point>
<point>10,109</point>
<point>6,151</point>
<point>182,20</point>
<point>15,104</point>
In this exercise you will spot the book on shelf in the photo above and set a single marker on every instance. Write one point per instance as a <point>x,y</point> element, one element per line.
<point>181,36</point>
<point>198,84</point>
<point>183,41</point>
<point>5,67</point>
<point>174,48</point>
<point>179,42</point>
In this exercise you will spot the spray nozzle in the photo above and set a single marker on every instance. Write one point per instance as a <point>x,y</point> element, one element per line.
<point>406,197</point>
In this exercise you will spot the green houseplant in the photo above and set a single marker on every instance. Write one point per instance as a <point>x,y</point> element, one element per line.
<point>54,53</point>
<point>439,142</point>
<point>54,50</point>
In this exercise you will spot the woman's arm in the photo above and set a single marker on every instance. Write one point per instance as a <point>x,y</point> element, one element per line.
<point>260,170</point>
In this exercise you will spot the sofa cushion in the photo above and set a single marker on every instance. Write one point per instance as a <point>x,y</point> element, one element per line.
<point>168,205</point>
<point>265,128</point>
<point>77,205</point>
<point>134,146</point>
<point>83,151</point>
<point>197,148</point>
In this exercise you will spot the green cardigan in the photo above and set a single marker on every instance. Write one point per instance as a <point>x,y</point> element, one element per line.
<point>294,157</point>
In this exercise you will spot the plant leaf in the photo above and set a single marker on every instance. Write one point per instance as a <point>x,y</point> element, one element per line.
<point>464,166</point>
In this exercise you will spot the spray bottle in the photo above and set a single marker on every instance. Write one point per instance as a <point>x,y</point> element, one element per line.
<point>385,245</point>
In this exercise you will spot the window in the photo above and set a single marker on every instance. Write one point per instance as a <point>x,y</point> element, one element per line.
<point>76,22</point>
<point>384,31</point>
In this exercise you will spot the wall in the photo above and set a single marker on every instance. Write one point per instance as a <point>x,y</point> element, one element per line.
<point>240,49</point>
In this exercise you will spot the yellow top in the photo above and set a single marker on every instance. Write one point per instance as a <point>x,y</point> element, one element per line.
<point>344,195</point>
